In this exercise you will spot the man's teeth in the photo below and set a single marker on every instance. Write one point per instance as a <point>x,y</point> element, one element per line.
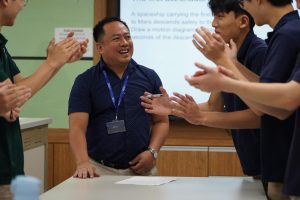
<point>124,51</point>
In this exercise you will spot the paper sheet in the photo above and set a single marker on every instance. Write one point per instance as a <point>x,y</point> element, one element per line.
<point>146,180</point>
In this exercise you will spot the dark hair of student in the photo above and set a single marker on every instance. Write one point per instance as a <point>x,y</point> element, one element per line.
<point>279,3</point>
<point>98,30</point>
<point>226,6</point>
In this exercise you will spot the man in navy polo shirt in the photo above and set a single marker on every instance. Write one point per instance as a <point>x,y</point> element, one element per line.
<point>281,57</point>
<point>231,22</point>
<point>110,133</point>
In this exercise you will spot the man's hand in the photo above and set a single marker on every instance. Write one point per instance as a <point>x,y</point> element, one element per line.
<point>79,54</point>
<point>157,105</point>
<point>12,96</point>
<point>186,108</point>
<point>231,50</point>
<point>211,45</point>
<point>12,115</point>
<point>142,163</point>
<point>68,50</point>
<point>85,170</point>
<point>210,79</point>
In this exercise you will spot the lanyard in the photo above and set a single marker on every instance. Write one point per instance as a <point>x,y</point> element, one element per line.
<point>111,92</point>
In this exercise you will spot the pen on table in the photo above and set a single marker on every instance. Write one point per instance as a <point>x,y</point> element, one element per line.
<point>150,96</point>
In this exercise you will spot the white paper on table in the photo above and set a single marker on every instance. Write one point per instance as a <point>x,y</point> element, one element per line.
<point>146,180</point>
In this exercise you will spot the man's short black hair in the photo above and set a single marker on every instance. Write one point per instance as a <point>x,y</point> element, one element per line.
<point>226,6</point>
<point>98,31</point>
<point>279,3</point>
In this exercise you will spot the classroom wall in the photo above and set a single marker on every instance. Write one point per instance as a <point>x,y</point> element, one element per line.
<point>29,37</point>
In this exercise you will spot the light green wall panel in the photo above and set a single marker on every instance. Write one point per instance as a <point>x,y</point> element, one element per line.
<point>34,26</point>
<point>30,36</point>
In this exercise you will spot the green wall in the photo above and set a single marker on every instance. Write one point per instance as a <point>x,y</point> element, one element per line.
<point>30,36</point>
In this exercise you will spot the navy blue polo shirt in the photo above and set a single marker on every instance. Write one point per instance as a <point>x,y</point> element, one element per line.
<point>281,56</point>
<point>292,176</point>
<point>90,94</point>
<point>247,141</point>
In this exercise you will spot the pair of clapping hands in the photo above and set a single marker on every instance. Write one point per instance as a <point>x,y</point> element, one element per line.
<point>13,96</point>
<point>213,47</point>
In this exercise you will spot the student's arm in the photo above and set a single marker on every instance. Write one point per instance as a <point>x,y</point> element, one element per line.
<point>144,162</point>
<point>218,79</point>
<point>187,109</point>
<point>214,103</point>
<point>278,99</point>
<point>244,119</point>
<point>68,50</point>
<point>78,124</point>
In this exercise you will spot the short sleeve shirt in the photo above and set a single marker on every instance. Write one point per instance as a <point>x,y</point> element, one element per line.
<point>247,141</point>
<point>281,57</point>
<point>11,148</point>
<point>90,94</point>
<point>292,177</point>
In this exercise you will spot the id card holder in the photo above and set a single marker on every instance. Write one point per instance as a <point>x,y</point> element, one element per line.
<point>115,126</point>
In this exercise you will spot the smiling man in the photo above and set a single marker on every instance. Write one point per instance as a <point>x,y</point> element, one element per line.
<point>110,133</point>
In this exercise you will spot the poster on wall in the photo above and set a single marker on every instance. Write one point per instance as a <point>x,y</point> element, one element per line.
<point>80,34</point>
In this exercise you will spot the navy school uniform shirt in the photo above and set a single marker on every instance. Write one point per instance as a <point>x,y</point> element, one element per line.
<point>292,176</point>
<point>281,56</point>
<point>247,141</point>
<point>90,94</point>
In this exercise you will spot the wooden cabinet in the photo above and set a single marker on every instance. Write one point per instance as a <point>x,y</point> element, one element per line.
<point>182,161</point>
<point>34,137</point>
<point>223,161</point>
<point>188,151</point>
<point>61,161</point>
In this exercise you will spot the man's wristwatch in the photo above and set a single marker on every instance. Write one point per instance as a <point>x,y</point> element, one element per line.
<point>153,152</point>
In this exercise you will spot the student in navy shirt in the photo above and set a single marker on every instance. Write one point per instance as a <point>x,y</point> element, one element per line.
<point>281,57</point>
<point>110,133</point>
<point>230,22</point>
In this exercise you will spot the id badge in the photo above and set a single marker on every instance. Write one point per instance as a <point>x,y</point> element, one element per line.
<point>115,126</point>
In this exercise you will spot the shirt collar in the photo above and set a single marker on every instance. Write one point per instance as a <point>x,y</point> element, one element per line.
<point>3,41</point>
<point>241,55</point>
<point>130,68</point>
<point>288,17</point>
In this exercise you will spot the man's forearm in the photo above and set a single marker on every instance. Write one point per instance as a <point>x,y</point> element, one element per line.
<point>79,147</point>
<point>159,133</point>
<point>244,119</point>
<point>39,78</point>
<point>260,97</point>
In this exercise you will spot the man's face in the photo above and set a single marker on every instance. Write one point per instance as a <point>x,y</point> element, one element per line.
<point>298,4</point>
<point>227,25</point>
<point>116,46</point>
<point>255,10</point>
<point>11,10</point>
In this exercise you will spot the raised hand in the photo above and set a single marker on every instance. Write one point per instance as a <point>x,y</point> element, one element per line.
<point>12,96</point>
<point>210,80</point>
<point>231,50</point>
<point>12,115</point>
<point>186,108</point>
<point>62,52</point>
<point>211,45</point>
<point>157,105</point>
